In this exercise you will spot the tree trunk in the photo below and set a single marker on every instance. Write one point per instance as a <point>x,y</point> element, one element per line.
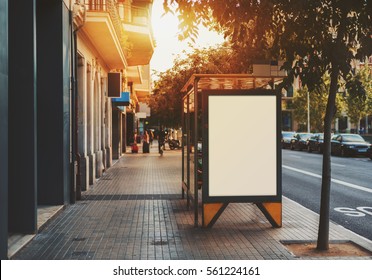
<point>323,233</point>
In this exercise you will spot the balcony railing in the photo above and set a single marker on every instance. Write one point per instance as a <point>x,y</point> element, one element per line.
<point>97,5</point>
<point>127,13</point>
<point>122,14</point>
<point>134,15</point>
<point>138,16</point>
<point>110,7</point>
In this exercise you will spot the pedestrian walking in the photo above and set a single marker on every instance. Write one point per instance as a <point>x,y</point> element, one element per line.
<point>146,142</point>
<point>134,146</point>
<point>151,134</point>
<point>161,140</point>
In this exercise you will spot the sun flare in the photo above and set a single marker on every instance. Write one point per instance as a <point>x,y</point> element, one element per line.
<point>165,28</point>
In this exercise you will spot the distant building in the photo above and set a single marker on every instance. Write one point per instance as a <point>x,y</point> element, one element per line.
<point>72,74</point>
<point>113,37</point>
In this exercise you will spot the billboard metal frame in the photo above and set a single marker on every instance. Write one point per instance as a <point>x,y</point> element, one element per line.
<point>235,145</point>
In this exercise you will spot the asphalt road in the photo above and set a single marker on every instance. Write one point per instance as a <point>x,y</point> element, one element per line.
<point>351,189</point>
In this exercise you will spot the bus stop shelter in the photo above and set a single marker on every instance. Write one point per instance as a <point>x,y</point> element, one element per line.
<point>231,126</point>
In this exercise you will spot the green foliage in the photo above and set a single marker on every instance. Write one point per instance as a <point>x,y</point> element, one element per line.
<point>365,75</point>
<point>245,23</point>
<point>166,100</point>
<point>318,105</point>
<point>359,95</point>
<point>303,31</point>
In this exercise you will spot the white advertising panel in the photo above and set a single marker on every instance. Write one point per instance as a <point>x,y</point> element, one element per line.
<point>141,115</point>
<point>242,145</point>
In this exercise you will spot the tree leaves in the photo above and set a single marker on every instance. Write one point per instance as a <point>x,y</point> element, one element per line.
<point>359,94</point>
<point>318,103</point>
<point>166,100</point>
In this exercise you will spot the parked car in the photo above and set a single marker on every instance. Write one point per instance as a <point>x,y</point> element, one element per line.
<point>315,143</point>
<point>369,152</point>
<point>286,138</point>
<point>349,145</point>
<point>299,141</point>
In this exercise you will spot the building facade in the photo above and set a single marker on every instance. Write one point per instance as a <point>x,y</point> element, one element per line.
<point>60,129</point>
<point>3,128</point>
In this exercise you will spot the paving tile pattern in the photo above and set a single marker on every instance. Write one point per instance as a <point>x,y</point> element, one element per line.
<point>135,212</point>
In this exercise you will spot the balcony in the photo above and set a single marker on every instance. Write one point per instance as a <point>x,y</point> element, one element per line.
<point>134,74</point>
<point>139,77</point>
<point>137,25</point>
<point>104,29</point>
<point>143,89</point>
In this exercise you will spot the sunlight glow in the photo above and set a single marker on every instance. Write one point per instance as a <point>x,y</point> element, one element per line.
<point>165,28</point>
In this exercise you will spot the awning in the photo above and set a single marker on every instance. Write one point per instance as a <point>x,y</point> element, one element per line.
<point>123,100</point>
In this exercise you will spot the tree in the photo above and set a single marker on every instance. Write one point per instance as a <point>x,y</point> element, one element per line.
<point>318,103</point>
<point>166,100</point>
<point>367,83</point>
<point>359,95</point>
<point>314,37</point>
<point>356,100</point>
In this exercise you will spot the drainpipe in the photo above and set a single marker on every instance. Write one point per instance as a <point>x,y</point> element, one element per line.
<point>73,163</point>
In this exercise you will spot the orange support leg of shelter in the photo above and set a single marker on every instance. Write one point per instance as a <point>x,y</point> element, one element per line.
<point>272,211</point>
<point>211,212</point>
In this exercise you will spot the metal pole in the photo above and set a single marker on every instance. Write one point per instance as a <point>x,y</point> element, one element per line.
<point>366,126</point>
<point>73,170</point>
<point>308,112</point>
<point>188,145</point>
<point>196,189</point>
<point>183,146</point>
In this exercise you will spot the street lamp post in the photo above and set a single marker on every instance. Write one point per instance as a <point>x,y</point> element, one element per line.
<point>308,112</point>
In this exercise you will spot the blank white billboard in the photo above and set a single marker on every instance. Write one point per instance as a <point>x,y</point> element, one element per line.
<point>242,145</point>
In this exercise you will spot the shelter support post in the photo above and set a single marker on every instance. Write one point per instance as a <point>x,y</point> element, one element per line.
<point>272,211</point>
<point>211,213</point>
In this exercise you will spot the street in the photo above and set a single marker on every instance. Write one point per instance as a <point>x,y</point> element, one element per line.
<point>351,190</point>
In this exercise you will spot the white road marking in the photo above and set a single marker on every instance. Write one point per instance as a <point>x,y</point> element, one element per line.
<point>336,164</point>
<point>346,184</point>
<point>362,159</point>
<point>295,156</point>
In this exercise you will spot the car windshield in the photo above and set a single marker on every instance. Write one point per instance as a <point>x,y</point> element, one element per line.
<point>305,136</point>
<point>287,134</point>
<point>353,138</point>
<point>321,136</point>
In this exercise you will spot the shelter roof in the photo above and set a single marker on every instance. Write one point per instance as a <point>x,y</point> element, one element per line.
<point>230,81</point>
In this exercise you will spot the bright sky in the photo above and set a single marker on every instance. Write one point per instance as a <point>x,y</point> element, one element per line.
<point>167,45</point>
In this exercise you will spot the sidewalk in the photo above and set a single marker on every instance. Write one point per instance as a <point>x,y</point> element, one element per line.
<point>135,211</point>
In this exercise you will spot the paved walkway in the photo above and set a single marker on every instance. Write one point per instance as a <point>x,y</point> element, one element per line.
<point>135,211</point>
